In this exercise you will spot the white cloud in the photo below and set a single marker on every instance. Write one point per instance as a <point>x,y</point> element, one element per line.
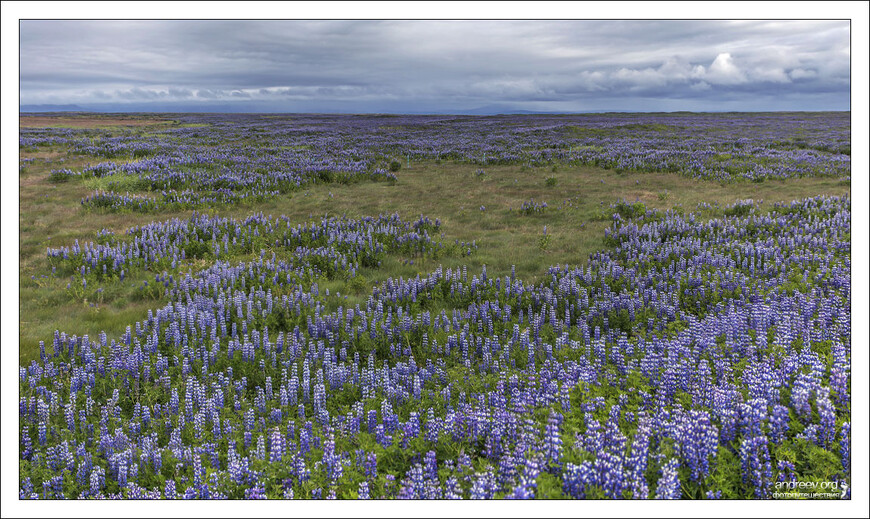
<point>723,71</point>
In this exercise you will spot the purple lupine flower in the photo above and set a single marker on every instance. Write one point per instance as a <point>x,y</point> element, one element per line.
<point>756,467</point>
<point>827,419</point>
<point>413,487</point>
<point>785,471</point>
<point>26,490</point>
<point>578,479</point>
<point>169,490</point>
<point>276,446</point>
<point>553,442</point>
<point>779,423</point>
<point>371,466</point>
<point>698,441</point>
<point>332,461</point>
<point>97,480</point>
<point>483,486</point>
<point>430,466</point>
<point>610,471</point>
<point>258,491</point>
<point>669,482</point>
<point>846,447</point>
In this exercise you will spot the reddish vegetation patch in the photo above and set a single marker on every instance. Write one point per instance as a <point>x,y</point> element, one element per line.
<point>42,121</point>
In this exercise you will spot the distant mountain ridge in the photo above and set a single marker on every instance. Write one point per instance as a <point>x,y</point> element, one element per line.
<point>51,108</point>
<point>253,108</point>
<point>242,107</point>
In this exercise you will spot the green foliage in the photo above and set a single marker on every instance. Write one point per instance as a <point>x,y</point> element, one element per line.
<point>327,176</point>
<point>544,240</point>
<point>357,284</point>
<point>725,475</point>
<point>738,210</point>
<point>627,210</point>
<point>195,249</point>
<point>813,463</point>
<point>61,175</point>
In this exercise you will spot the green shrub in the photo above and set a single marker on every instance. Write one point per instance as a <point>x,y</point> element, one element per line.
<point>357,284</point>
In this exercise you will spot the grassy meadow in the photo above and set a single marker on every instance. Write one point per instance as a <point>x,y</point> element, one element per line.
<point>297,306</point>
<point>474,203</point>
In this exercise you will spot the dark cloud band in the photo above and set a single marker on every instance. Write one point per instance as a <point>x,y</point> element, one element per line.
<point>555,65</point>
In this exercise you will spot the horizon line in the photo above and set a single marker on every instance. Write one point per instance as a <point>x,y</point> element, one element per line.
<point>517,112</point>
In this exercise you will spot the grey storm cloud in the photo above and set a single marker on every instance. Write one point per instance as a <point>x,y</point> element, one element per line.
<point>555,65</point>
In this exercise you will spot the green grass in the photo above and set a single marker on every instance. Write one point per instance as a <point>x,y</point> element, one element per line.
<point>51,215</point>
<point>118,183</point>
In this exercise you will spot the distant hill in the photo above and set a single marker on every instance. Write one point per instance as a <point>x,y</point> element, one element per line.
<point>499,109</point>
<point>50,108</point>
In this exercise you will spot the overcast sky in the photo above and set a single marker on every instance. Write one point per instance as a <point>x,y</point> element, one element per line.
<point>436,66</point>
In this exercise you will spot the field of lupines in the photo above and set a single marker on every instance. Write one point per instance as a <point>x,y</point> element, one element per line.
<point>702,353</point>
<point>252,158</point>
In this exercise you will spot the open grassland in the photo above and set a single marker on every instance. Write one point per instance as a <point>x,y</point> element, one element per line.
<point>88,121</point>
<point>476,204</point>
<point>300,306</point>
